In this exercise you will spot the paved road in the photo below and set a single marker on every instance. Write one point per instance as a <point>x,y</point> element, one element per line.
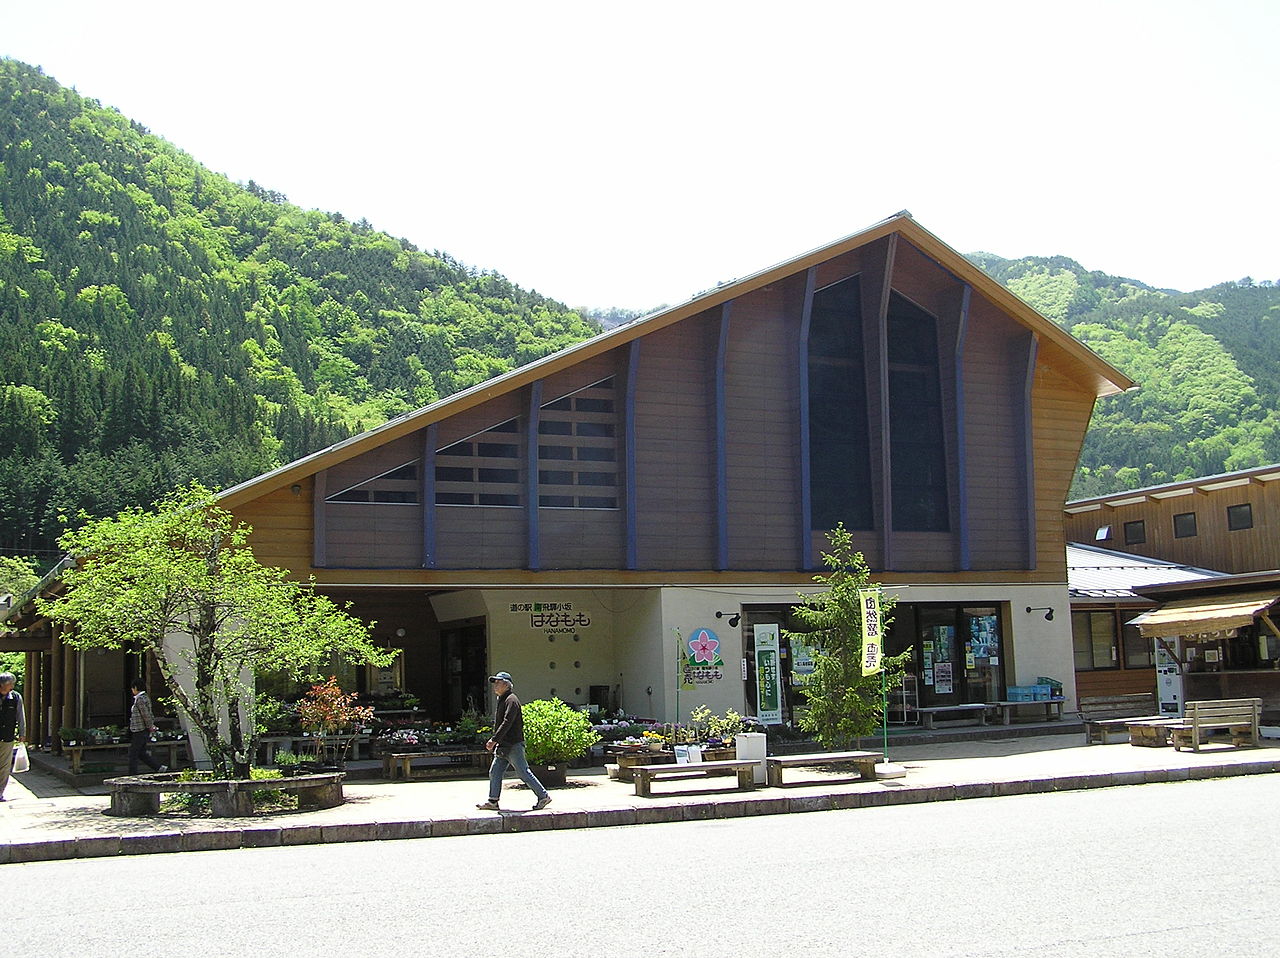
<point>1075,873</point>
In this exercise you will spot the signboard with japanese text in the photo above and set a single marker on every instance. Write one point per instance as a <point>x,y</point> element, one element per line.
<point>872,637</point>
<point>768,675</point>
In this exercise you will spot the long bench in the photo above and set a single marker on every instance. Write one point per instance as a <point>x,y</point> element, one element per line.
<point>865,762</point>
<point>400,764</point>
<point>644,775</point>
<point>1107,715</point>
<point>75,753</point>
<point>1239,717</point>
<point>1005,708</point>
<point>927,713</point>
<point>140,794</point>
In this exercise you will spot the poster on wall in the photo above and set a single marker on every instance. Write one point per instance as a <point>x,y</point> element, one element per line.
<point>702,663</point>
<point>768,675</point>
<point>942,678</point>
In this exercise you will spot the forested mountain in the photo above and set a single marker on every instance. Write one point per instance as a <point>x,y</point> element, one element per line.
<point>1207,366</point>
<point>160,323</point>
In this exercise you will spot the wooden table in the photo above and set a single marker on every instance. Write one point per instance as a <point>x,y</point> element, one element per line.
<point>75,753</point>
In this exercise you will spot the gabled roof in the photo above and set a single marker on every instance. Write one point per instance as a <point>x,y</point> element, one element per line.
<point>1057,348</point>
<point>1170,490</point>
<point>1096,573</point>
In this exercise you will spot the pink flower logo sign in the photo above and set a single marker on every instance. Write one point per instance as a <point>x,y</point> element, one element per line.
<point>704,649</point>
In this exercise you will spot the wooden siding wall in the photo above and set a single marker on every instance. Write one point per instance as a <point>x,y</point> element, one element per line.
<point>996,353</point>
<point>675,453</point>
<point>1214,546</point>
<point>713,472</point>
<point>762,420</point>
<point>1060,415</point>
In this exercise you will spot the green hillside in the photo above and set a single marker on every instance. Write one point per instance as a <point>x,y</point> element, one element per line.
<point>1207,366</point>
<point>160,323</point>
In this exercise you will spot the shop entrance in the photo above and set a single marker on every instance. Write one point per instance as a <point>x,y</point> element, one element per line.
<point>464,669</point>
<point>957,651</point>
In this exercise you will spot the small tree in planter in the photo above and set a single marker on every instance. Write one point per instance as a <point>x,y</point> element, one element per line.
<point>327,713</point>
<point>555,734</point>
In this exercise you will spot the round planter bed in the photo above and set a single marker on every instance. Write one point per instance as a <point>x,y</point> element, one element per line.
<point>140,794</point>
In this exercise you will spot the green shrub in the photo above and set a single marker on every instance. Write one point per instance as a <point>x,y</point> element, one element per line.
<point>555,732</point>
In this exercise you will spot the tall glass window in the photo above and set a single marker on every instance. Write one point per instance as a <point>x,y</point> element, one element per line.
<point>917,449</point>
<point>839,450</point>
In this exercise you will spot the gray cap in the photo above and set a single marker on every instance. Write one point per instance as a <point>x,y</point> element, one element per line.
<point>504,676</point>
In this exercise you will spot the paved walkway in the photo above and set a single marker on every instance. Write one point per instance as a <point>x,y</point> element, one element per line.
<point>46,819</point>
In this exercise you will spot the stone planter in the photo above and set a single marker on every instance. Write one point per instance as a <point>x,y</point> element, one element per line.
<point>139,795</point>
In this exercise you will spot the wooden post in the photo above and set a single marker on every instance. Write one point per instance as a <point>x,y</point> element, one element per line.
<point>55,688</point>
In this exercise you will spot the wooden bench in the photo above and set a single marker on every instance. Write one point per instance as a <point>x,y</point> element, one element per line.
<point>1006,708</point>
<point>865,762</point>
<point>400,764</point>
<point>643,775</point>
<point>75,753</point>
<point>1239,717</point>
<point>1106,715</point>
<point>140,794</point>
<point>927,713</point>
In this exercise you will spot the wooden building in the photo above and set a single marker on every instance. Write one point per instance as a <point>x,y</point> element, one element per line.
<point>582,520</point>
<point>1229,521</point>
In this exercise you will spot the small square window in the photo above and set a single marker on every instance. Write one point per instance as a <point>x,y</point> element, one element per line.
<point>1240,517</point>
<point>1103,534</point>
<point>1135,532</point>
<point>1184,525</point>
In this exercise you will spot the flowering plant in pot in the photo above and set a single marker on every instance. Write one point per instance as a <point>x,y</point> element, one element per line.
<point>329,715</point>
<point>555,734</point>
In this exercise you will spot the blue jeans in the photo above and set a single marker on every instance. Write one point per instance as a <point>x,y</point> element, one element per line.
<point>512,756</point>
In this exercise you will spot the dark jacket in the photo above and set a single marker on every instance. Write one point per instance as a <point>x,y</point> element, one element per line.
<point>508,720</point>
<point>13,721</point>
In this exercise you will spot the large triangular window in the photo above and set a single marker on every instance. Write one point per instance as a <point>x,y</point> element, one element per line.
<point>396,487</point>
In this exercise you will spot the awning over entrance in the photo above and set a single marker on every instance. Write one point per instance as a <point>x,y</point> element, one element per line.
<point>1203,614</point>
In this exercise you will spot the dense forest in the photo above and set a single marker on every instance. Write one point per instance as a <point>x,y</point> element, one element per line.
<point>159,323</point>
<point>1207,365</point>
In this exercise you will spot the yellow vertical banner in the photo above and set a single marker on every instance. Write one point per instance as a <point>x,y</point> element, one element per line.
<point>872,639</point>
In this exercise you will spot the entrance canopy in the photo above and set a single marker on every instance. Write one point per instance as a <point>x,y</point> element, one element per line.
<point>1204,614</point>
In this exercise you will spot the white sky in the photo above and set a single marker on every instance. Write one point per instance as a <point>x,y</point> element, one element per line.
<point>631,154</point>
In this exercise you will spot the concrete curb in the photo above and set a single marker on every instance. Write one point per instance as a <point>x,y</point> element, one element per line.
<point>268,834</point>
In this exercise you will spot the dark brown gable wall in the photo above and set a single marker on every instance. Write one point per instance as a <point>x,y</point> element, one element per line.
<point>675,445</point>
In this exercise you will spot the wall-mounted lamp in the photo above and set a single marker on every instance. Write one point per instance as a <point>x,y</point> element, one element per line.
<point>1047,610</point>
<point>296,489</point>
<point>399,633</point>
<point>734,618</point>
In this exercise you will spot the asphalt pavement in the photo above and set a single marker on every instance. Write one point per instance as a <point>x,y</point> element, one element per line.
<point>46,819</point>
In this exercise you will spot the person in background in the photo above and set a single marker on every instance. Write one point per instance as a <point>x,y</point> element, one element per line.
<point>142,723</point>
<point>507,745</point>
<point>13,726</point>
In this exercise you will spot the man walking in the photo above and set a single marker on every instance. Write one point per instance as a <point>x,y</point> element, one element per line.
<point>507,745</point>
<point>13,726</point>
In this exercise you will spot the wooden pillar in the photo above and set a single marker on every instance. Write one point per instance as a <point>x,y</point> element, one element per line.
<point>30,694</point>
<point>70,682</point>
<point>55,688</point>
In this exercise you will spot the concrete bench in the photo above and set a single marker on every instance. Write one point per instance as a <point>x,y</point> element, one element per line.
<point>1106,715</point>
<point>644,775</point>
<point>400,764</point>
<point>1238,717</point>
<point>928,713</point>
<point>1006,708</point>
<point>75,753</point>
<point>140,794</point>
<point>865,762</point>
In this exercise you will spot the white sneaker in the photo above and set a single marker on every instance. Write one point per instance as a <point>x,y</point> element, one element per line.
<point>542,803</point>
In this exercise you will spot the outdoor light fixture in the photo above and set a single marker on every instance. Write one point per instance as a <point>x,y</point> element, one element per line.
<point>1047,610</point>
<point>296,489</point>
<point>734,618</point>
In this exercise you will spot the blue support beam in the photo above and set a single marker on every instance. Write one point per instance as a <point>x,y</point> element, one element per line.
<point>806,493</point>
<point>427,495</point>
<point>722,465</point>
<point>1028,449</point>
<point>962,472</point>
<point>533,549</point>
<point>629,455</point>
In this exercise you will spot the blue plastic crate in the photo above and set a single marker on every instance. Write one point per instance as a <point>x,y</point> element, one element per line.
<point>1041,693</point>
<point>1020,693</point>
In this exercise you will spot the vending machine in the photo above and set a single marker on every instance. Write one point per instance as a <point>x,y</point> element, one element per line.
<point>1169,692</point>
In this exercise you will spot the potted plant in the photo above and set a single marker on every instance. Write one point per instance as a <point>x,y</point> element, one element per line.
<point>329,716</point>
<point>287,763</point>
<point>554,735</point>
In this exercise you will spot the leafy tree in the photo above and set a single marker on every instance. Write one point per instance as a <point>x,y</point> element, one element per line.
<point>180,582</point>
<point>842,703</point>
